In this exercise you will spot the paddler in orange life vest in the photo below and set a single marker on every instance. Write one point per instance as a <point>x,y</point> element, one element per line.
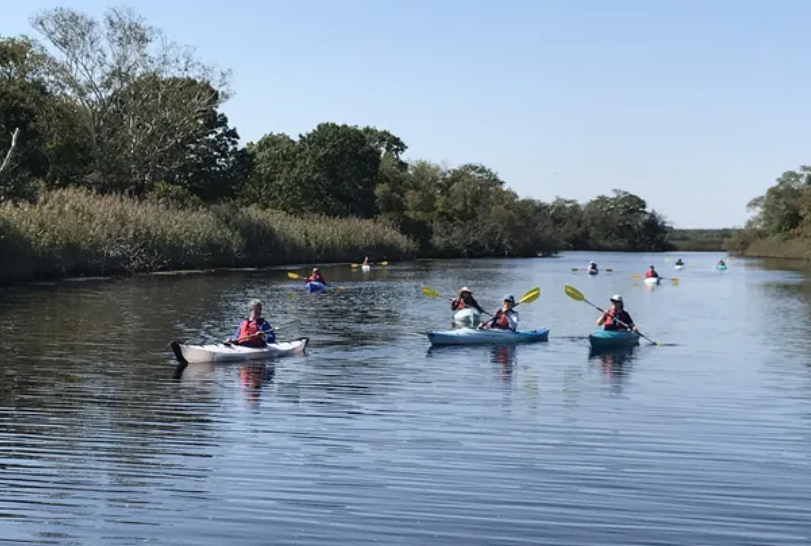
<point>254,331</point>
<point>315,276</point>
<point>465,300</point>
<point>616,318</point>
<point>651,273</point>
<point>505,318</point>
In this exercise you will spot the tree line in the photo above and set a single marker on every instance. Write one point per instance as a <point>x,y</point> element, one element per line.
<point>111,106</point>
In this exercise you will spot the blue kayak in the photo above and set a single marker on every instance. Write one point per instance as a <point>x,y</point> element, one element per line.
<point>471,336</point>
<point>721,267</point>
<point>613,339</point>
<point>593,271</point>
<point>314,286</point>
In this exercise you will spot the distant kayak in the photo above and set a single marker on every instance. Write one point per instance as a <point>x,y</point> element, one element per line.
<point>469,336</point>
<point>679,267</point>
<point>653,280</point>
<point>593,271</point>
<point>314,286</point>
<point>613,339</point>
<point>222,352</point>
<point>467,316</point>
<point>366,267</point>
<point>721,267</point>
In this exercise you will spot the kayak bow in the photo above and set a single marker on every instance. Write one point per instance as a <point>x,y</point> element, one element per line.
<point>470,336</point>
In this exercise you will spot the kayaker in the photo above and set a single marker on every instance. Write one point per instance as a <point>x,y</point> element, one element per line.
<point>679,262</point>
<point>721,262</point>
<point>366,260</point>
<point>505,318</point>
<point>465,300</point>
<point>651,273</point>
<point>315,276</point>
<point>254,331</point>
<point>616,318</point>
<point>592,266</point>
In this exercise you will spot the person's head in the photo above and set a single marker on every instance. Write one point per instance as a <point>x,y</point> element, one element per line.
<point>592,263</point>
<point>508,301</point>
<point>465,292</point>
<point>652,268</point>
<point>315,271</point>
<point>616,302</point>
<point>255,309</point>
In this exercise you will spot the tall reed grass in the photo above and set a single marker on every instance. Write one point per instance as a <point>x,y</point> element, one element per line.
<point>74,232</point>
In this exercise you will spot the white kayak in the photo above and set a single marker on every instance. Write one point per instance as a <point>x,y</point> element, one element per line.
<point>366,267</point>
<point>653,280</point>
<point>679,267</point>
<point>467,316</point>
<point>222,352</point>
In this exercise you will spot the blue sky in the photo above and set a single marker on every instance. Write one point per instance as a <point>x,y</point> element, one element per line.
<point>697,106</point>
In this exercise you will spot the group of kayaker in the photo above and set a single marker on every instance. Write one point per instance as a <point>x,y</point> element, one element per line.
<point>505,318</point>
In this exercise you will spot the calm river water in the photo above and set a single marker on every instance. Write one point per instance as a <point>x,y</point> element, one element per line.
<point>374,438</point>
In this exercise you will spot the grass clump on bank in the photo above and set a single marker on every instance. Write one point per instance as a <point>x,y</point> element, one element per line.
<point>75,232</point>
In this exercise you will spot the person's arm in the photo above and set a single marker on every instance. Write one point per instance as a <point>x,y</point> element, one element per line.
<point>630,321</point>
<point>602,318</point>
<point>478,307</point>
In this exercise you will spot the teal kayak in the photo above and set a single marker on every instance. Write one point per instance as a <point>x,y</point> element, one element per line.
<point>613,339</point>
<point>721,267</point>
<point>470,336</point>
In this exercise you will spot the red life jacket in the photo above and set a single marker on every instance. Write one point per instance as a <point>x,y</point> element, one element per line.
<point>248,328</point>
<point>458,304</point>
<point>501,321</point>
<point>315,278</point>
<point>649,274</point>
<point>610,324</point>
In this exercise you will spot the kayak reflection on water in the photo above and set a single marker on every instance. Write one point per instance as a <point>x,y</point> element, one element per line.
<point>616,363</point>
<point>251,378</point>
<point>504,356</point>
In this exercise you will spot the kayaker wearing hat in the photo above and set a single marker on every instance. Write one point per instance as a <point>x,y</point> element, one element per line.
<point>616,318</point>
<point>254,331</point>
<point>315,276</point>
<point>505,318</point>
<point>651,273</point>
<point>465,300</point>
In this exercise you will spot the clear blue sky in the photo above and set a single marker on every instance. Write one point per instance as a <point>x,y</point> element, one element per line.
<point>697,106</point>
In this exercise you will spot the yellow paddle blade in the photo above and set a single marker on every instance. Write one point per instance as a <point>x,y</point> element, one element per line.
<point>293,275</point>
<point>530,296</point>
<point>384,263</point>
<point>430,292</point>
<point>609,269</point>
<point>635,276</point>
<point>575,269</point>
<point>574,293</point>
<point>675,279</point>
<point>354,265</point>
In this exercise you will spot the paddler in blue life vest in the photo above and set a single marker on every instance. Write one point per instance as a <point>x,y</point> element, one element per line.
<point>505,318</point>
<point>315,276</point>
<point>616,318</point>
<point>254,331</point>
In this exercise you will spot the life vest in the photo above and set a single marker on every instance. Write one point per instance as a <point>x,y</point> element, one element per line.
<point>315,278</point>
<point>651,274</point>
<point>249,328</point>
<point>458,304</point>
<point>501,320</point>
<point>611,324</point>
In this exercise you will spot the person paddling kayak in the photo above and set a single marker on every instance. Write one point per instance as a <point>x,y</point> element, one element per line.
<point>616,318</point>
<point>254,331</point>
<point>315,276</point>
<point>592,266</point>
<point>651,273</point>
<point>465,300</point>
<point>679,262</point>
<point>505,318</point>
<point>721,263</point>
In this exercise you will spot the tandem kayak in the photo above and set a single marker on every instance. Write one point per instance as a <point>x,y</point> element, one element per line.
<point>467,316</point>
<point>314,286</point>
<point>222,352</point>
<point>653,280</point>
<point>469,336</point>
<point>613,339</point>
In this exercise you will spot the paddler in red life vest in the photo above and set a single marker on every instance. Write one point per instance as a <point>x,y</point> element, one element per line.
<point>254,331</point>
<point>315,276</point>
<point>651,273</point>
<point>505,318</point>
<point>616,318</point>
<point>465,300</point>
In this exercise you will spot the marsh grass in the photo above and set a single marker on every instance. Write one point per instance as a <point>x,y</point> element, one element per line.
<point>75,232</point>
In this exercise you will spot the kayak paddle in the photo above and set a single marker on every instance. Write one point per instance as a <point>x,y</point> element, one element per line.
<point>431,293</point>
<point>674,279</point>
<point>608,269</point>
<point>577,295</point>
<point>529,297</point>
<point>297,277</point>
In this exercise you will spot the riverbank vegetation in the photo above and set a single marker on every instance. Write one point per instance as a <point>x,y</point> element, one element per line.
<point>781,223</point>
<point>117,156</point>
<point>701,240</point>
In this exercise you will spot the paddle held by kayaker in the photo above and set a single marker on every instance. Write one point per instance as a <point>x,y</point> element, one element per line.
<point>315,276</point>
<point>616,318</point>
<point>505,318</point>
<point>651,273</point>
<point>254,331</point>
<point>465,300</point>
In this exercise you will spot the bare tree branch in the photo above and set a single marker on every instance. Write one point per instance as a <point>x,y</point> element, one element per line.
<point>6,161</point>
